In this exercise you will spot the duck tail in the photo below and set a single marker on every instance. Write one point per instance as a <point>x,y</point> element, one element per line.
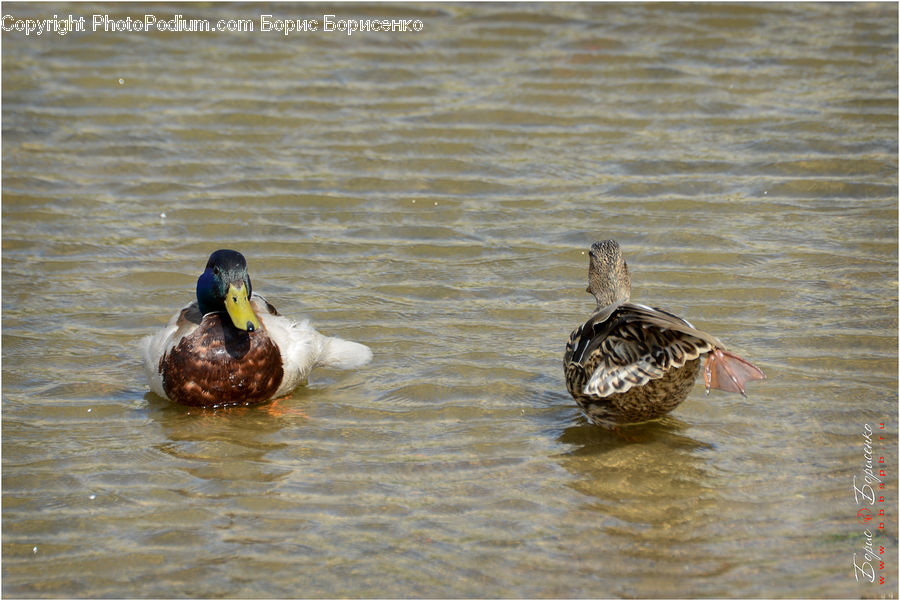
<point>343,354</point>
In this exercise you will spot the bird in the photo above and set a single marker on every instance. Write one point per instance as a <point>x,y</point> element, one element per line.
<point>630,363</point>
<point>230,346</point>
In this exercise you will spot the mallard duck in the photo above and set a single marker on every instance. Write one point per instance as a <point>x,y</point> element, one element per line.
<point>231,347</point>
<point>630,363</point>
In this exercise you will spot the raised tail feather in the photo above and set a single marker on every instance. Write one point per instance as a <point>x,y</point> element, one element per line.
<point>343,354</point>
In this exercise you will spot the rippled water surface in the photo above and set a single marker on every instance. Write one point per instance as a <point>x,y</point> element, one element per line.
<point>432,194</point>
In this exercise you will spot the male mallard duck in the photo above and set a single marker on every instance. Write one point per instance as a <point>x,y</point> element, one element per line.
<point>231,346</point>
<point>630,363</point>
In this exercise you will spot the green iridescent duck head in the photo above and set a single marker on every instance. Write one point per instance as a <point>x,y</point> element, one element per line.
<point>225,286</point>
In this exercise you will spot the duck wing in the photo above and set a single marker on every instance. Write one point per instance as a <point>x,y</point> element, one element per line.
<point>630,344</point>
<point>155,346</point>
<point>303,348</point>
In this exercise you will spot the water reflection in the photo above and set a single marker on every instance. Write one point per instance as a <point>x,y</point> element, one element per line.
<point>227,448</point>
<point>656,463</point>
<point>647,475</point>
<point>592,439</point>
<point>651,497</point>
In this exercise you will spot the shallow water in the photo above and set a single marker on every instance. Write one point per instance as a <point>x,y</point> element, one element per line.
<point>433,195</point>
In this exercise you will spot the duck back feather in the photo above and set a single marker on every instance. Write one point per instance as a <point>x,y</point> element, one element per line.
<point>303,348</point>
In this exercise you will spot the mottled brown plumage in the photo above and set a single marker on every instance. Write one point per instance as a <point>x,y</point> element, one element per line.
<point>218,364</point>
<point>630,363</point>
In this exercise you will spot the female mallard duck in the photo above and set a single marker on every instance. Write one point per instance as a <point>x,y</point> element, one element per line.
<point>630,363</point>
<point>231,346</point>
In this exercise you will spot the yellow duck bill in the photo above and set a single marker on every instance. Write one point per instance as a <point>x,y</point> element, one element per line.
<point>239,310</point>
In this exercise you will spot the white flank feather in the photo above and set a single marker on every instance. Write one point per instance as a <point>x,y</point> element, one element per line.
<point>153,347</point>
<point>303,348</point>
<point>150,349</point>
